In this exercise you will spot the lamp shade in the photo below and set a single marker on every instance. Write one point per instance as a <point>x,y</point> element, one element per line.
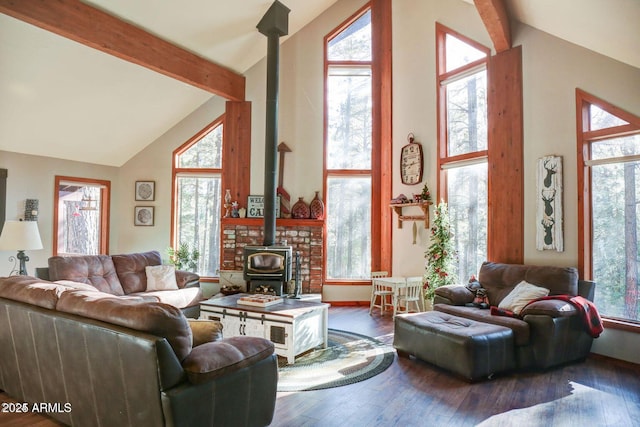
<point>20,236</point>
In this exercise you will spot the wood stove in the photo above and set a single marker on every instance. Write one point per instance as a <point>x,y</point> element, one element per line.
<point>267,269</point>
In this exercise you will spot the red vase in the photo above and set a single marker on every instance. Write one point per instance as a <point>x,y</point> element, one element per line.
<point>300,210</point>
<point>317,207</point>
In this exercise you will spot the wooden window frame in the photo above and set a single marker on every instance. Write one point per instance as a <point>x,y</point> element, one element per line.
<point>105,209</point>
<point>585,136</point>
<point>176,171</point>
<point>382,142</point>
<point>441,76</point>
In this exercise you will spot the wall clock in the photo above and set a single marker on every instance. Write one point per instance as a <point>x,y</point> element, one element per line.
<point>411,162</point>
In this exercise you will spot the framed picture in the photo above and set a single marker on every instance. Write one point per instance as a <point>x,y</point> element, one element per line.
<point>143,216</point>
<point>145,191</point>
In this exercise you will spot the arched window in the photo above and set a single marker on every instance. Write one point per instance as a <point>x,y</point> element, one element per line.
<point>197,207</point>
<point>462,143</point>
<point>609,205</point>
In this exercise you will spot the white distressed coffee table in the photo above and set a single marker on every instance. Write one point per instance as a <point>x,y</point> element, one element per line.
<point>293,326</point>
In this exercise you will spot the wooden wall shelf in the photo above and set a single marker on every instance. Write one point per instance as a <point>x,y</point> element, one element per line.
<point>424,206</point>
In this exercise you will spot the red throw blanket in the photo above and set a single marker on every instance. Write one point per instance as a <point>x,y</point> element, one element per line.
<point>587,310</point>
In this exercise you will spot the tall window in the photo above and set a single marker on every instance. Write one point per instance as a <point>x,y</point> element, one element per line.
<point>610,143</point>
<point>348,149</point>
<point>462,148</point>
<point>197,168</point>
<point>81,217</point>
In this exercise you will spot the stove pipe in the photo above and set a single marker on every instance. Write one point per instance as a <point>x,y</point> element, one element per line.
<point>274,24</point>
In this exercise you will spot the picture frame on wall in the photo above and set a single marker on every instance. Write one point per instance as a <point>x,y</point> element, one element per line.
<point>145,191</point>
<point>144,216</point>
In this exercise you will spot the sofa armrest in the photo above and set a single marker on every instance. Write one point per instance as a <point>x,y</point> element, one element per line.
<point>243,398</point>
<point>453,295</point>
<point>551,307</point>
<point>215,359</point>
<point>187,279</point>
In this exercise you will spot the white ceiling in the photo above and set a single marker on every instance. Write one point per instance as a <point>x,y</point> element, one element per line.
<point>65,100</point>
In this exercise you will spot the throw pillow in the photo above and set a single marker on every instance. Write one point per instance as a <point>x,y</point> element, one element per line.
<point>161,278</point>
<point>523,293</point>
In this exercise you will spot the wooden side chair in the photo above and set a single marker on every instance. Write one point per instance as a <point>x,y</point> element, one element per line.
<point>381,292</point>
<point>408,294</point>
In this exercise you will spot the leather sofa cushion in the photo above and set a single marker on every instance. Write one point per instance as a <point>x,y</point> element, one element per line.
<point>96,270</point>
<point>133,312</point>
<point>520,328</point>
<point>499,279</point>
<point>456,294</point>
<point>215,359</point>
<point>31,291</point>
<point>553,308</point>
<point>182,298</point>
<point>131,269</point>
<point>205,331</point>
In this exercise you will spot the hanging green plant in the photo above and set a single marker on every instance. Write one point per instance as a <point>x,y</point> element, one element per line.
<point>184,258</point>
<point>441,255</point>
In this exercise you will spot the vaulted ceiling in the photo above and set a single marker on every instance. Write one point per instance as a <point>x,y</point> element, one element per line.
<point>63,99</point>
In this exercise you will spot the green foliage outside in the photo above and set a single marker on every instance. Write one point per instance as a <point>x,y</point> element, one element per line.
<point>184,258</point>
<point>441,254</point>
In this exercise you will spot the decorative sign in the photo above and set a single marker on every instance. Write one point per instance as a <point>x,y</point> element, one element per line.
<point>411,162</point>
<point>549,230</point>
<point>255,207</point>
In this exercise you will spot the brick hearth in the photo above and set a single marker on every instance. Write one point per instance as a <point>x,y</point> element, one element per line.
<point>304,235</point>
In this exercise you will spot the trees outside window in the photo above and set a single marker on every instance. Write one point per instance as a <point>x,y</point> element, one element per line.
<point>197,169</point>
<point>609,176</point>
<point>348,149</point>
<point>462,147</point>
<point>81,217</point>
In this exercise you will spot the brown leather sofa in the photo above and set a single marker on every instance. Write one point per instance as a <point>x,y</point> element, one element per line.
<point>125,275</point>
<point>100,359</point>
<point>547,333</point>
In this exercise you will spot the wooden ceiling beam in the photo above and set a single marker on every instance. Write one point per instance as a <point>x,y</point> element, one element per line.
<point>496,20</point>
<point>97,29</point>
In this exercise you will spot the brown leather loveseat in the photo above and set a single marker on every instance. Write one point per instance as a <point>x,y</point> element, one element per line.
<point>98,359</point>
<point>126,274</point>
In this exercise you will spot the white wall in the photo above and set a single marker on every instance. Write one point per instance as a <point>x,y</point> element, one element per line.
<point>154,164</point>
<point>33,177</point>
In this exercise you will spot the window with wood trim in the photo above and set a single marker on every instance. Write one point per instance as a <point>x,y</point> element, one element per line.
<point>197,196</point>
<point>609,176</point>
<point>348,149</point>
<point>81,216</point>
<point>462,144</point>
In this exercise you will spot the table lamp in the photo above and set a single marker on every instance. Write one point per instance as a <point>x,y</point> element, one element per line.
<point>20,236</point>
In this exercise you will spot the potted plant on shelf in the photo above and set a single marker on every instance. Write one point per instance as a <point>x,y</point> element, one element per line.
<point>184,258</point>
<point>440,256</point>
<point>425,196</point>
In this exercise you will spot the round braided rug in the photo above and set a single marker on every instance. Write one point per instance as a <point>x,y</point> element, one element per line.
<point>348,358</point>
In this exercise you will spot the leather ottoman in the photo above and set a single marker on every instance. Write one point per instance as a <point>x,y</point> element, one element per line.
<point>471,349</point>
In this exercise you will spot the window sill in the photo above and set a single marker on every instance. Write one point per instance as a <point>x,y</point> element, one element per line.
<point>621,325</point>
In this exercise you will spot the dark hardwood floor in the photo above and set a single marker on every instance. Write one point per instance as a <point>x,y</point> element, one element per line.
<point>597,392</point>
